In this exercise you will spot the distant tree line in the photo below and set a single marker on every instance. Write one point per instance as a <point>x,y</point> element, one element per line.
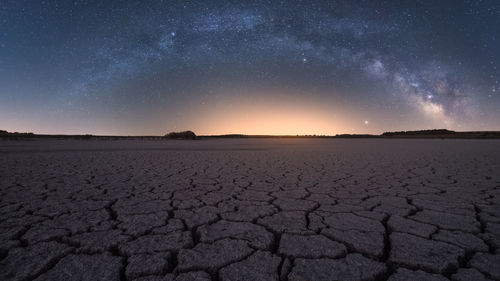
<point>421,132</point>
<point>5,133</point>
<point>185,135</point>
<point>190,135</point>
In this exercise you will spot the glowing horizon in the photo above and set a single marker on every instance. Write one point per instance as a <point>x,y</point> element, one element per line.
<point>255,114</point>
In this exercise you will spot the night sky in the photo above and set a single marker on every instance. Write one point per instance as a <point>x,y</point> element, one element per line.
<point>264,67</point>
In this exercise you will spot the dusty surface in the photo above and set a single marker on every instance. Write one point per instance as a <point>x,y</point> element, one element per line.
<point>250,210</point>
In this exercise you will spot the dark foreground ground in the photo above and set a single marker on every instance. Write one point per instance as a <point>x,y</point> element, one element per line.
<point>268,209</point>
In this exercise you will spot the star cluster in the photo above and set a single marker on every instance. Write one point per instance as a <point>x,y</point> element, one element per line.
<point>145,67</point>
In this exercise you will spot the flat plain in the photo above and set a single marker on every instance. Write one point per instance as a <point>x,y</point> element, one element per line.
<point>250,209</point>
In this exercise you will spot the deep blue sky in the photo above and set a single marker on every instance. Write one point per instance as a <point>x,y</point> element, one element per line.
<point>270,67</point>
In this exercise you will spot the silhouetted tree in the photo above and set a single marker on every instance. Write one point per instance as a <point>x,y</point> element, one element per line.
<point>186,135</point>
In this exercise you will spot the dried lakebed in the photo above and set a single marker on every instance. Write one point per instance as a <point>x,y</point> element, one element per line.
<point>250,209</point>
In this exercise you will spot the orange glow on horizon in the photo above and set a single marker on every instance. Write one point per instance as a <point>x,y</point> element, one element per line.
<point>266,116</point>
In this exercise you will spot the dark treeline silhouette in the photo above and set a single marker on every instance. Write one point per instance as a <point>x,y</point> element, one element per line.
<point>356,136</point>
<point>419,133</point>
<point>190,135</point>
<point>26,136</point>
<point>186,135</point>
<point>443,133</point>
<point>15,135</point>
<point>5,133</point>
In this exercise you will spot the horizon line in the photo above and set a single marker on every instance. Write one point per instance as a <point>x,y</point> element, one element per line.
<point>423,132</point>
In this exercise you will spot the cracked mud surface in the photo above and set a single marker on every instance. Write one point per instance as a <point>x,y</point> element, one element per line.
<point>250,209</point>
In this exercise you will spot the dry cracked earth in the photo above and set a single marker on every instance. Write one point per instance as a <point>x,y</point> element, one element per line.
<point>250,210</point>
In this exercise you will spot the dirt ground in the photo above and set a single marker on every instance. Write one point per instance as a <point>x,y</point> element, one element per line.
<point>250,209</point>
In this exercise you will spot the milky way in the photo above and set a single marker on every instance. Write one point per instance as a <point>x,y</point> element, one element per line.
<point>152,66</point>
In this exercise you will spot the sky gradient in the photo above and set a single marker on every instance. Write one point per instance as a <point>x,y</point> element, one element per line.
<point>265,67</point>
